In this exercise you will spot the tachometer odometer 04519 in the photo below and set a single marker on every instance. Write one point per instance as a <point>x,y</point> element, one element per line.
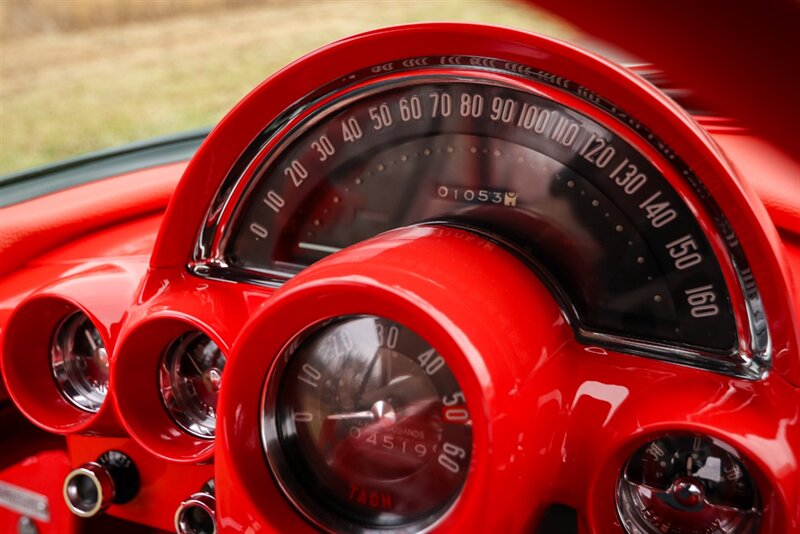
<point>616,241</point>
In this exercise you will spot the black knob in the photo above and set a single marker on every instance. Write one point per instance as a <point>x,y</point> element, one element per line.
<point>94,486</point>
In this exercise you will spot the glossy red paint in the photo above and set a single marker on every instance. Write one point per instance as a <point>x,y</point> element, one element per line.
<point>102,291</point>
<point>736,56</point>
<point>642,102</point>
<point>164,484</point>
<point>176,306</point>
<point>34,228</point>
<point>554,420</point>
<point>492,307</point>
<point>551,411</point>
<point>36,473</point>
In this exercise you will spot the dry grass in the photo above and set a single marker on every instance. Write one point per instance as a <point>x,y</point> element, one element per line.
<point>27,17</point>
<point>63,94</point>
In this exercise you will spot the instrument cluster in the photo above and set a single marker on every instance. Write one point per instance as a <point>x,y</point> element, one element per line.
<point>438,277</point>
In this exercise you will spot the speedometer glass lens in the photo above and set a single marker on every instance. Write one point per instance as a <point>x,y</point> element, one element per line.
<point>369,428</point>
<point>620,245</point>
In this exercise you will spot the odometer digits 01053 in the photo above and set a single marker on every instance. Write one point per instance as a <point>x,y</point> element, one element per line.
<point>621,247</point>
<point>368,427</point>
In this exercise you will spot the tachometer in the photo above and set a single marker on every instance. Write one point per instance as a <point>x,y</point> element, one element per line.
<point>369,419</point>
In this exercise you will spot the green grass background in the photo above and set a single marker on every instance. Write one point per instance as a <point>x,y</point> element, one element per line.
<point>66,91</point>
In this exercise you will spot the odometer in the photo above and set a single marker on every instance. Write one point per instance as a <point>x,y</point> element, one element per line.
<point>368,419</point>
<point>618,244</point>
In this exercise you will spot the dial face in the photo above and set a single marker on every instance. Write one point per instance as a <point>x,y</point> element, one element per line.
<point>687,484</point>
<point>79,361</point>
<point>619,244</point>
<point>370,421</point>
<point>190,377</point>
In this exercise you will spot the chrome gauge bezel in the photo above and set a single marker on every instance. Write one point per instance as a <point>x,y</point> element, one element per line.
<point>72,385</point>
<point>625,509</point>
<point>312,509</point>
<point>184,412</point>
<point>752,357</point>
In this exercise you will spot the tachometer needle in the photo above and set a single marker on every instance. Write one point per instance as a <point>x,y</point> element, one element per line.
<point>318,248</point>
<point>90,339</point>
<point>368,414</point>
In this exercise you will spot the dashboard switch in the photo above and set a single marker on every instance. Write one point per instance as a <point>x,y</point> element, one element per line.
<point>94,486</point>
<point>197,514</point>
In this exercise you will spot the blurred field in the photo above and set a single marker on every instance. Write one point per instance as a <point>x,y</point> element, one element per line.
<point>82,75</point>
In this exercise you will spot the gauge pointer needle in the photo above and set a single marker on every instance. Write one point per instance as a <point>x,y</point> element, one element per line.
<point>368,414</point>
<point>363,386</point>
<point>318,248</point>
<point>386,368</point>
<point>90,340</point>
<point>195,364</point>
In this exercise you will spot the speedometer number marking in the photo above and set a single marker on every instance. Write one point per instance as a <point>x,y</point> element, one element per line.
<point>659,213</point>
<point>569,190</point>
<point>324,147</point>
<point>296,172</point>
<point>701,300</point>
<point>381,116</point>
<point>259,231</point>
<point>631,180</point>
<point>471,105</point>
<point>503,109</point>
<point>351,130</point>
<point>410,108</point>
<point>442,104</point>
<point>274,201</point>
<point>597,150</point>
<point>684,250</point>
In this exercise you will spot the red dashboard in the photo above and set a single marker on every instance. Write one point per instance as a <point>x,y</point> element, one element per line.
<point>438,277</point>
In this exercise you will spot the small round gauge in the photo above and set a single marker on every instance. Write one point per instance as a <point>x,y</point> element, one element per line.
<point>369,428</point>
<point>79,361</point>
<point>190,377</point>
<point>687,484</point>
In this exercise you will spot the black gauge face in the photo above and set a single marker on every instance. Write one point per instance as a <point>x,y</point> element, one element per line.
<point>687,484</point>
<point>79,361</point>
<point>189,378</point>
<point>370,423</point>
<point>621,247</point>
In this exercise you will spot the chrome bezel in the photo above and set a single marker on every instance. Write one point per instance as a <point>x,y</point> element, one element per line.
<point>635,525</point>
<point>185,413</point>
<point>285,478</point>
<point>750,359</point>
<point>72,385</point>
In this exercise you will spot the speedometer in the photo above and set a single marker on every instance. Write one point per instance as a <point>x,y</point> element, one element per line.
<point>464,243</point>
<point>593,211</point>
<point>613,220</point>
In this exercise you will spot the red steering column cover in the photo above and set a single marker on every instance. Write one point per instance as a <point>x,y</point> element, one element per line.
<point>553,421</point>
<point>495,324</point>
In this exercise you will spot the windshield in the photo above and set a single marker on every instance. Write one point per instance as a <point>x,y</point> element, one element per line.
<point>82,76</point>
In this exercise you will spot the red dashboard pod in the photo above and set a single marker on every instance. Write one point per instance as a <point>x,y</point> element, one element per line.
<point>101,292</point>
<point>138,397</point>
<point>486,313</point>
